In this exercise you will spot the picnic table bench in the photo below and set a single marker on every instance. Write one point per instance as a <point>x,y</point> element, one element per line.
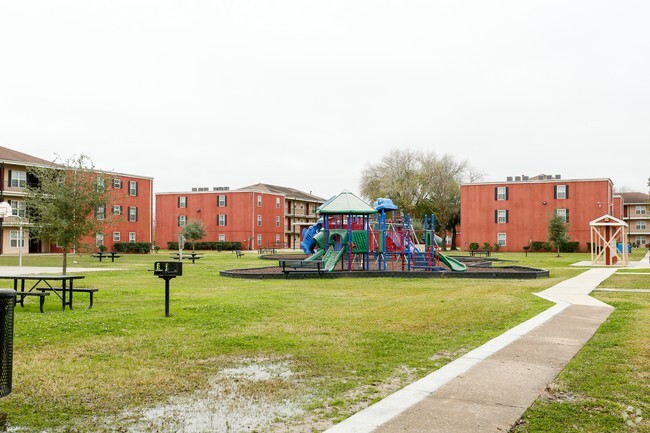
<point>293,265</point>
<point>239,253</point>
<point>266,250</point>
<point>45,290</point>
<point>188,256</point>
<point>479,253</point>
<point>41,295</point>
<point>100,255</point>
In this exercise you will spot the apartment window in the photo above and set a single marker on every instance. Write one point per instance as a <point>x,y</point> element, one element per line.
<point>182,202</point>
<point>100,212</point>
<point>116,236</point>
<point>133,213</point>
<point>132,237</point>
<point>640,210</point>
<point>277,221</point>
<point>563,214</point>
<point>117,209</point>
<point>561,191</point>
<point>277,202</point>
<point>222,220</point>
<point>182,220</point>
<point>501,193</point>
<point>259,240</point>
<point>17,208</point>
<point>133,188</point>
<point>99,239</point>
<point>259,220</point>
<point>277,239</point>
<point>642,240</point>
<point>501,216</point>
<point>640,225</point>
<point>259,201</point>
<point>117,183</point>
<point>14,237</point>
<point>100,184</point>
<point>222,201</point>
<point>222,237</point>
<point>501,239</point>
<point>17,179</point>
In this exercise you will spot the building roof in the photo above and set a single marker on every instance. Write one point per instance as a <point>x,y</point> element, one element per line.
<point>346,203</point>
<point>525,180</point>
<point>635,198</point>
<point>13,156</point>
<point>282,190</point>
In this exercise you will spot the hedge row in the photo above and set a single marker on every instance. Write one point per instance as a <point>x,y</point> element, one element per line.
<point>544,246</point>
<point>210,246</point>
<point>133,247</point>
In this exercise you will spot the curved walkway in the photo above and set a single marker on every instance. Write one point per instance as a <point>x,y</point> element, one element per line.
<point>489,388</point>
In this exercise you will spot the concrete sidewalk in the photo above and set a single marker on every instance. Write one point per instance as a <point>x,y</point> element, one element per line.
<point>489,389</point>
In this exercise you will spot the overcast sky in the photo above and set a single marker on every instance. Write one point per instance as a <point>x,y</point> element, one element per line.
<point>306,93</point>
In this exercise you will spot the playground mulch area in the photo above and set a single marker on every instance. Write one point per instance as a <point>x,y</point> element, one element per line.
<point>476,268</point>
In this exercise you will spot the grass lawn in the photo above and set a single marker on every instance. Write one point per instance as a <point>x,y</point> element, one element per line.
<point>274,353</point>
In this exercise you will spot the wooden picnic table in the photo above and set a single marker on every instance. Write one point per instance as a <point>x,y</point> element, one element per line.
<point>100,255</point>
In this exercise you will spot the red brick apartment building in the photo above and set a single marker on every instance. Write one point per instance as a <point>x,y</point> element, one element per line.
<point>258,216</point>
<point>636,213</point>
<point>130,214</point>
<point>515,212</point>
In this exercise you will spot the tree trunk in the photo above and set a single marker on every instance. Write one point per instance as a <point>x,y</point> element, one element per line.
<point>453,239</point>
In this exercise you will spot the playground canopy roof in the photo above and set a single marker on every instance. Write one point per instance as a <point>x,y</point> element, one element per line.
<point>346,203</point>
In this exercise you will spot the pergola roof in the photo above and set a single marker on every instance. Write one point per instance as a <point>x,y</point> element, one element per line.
<point>607,220</point>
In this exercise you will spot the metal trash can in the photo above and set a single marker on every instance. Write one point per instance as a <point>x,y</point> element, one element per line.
<point>7,305</point>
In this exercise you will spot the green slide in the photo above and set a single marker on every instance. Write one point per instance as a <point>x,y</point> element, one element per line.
<point>320,253</point>
<point>453,264</point>
<point>332,257</point>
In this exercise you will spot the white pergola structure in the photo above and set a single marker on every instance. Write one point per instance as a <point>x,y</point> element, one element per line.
<point>606,232</point>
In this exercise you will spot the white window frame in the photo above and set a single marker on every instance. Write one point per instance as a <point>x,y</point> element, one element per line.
<point>561,213</point>
<point>642,240</point>
<point>182,202</point>
<point>502,193</point>
<point>640,210</point>
<point>259,201</point>
<point>502,216</point>
<point>133,214</point>
<point>560,192</point>
<point>117,236</point>
<point>277,221</point>
<point>277,239</point>
<point>221,220</point>
<point>14,236</point>
<point>18,179</point>
<point>101,213</point>
<point>131,237</point>
<point>222,237</point>
<point>259,220</point>
<point>221,200</point>
<point>277,202</point>
<point>18,208</point>
<point>259,240</point>
<point>117,183</point>
<point>182,220</point>
<point>502,238</point>
<point>99,239</point>
<point>117,209</point>
<point>641,225</point>
<point>133,188</point>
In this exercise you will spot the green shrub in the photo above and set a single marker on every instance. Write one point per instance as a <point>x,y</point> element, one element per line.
<point>473,246</point>
<point>569,247</point>
<point>540,246</point>
<point>487,246</point>
<point>133,247</point>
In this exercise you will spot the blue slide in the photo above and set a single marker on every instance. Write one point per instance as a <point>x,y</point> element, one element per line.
<point>308,243</point>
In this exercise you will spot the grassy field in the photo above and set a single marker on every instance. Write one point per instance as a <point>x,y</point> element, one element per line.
<point>247,355</point>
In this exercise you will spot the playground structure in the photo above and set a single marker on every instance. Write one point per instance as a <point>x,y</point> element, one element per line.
<point>609,244</point>
<point>352,235</point>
